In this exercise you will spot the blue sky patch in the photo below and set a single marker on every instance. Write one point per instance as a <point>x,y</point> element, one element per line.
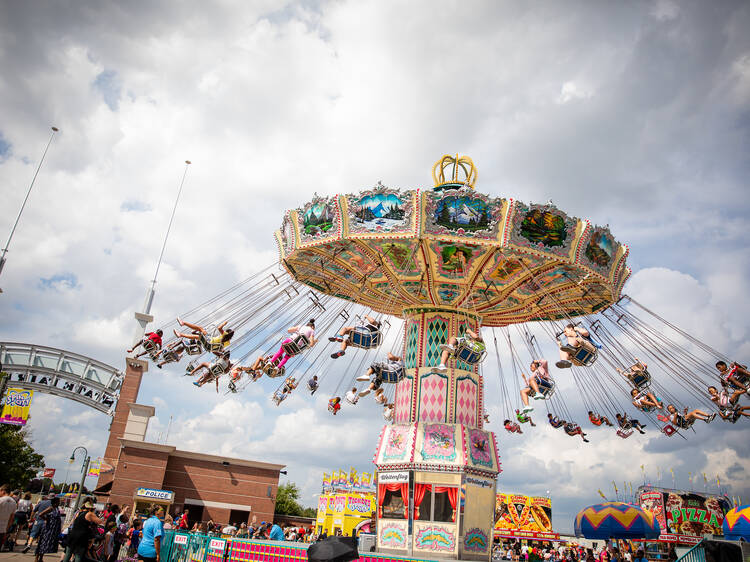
<point>135,207</point>
<point>58,282</point>
<point>5,147</point>
<point>110,86</point>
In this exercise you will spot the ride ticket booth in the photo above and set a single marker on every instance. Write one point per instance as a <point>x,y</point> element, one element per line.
<point>144,498</point>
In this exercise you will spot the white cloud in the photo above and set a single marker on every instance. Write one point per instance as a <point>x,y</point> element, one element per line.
<point>332,98</point>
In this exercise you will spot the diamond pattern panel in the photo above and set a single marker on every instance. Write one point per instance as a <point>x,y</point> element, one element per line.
<point>403,400</point>
<point>437,333</point>
<point>466,401</point>
<point>412,346</point>
<point>433,397</point>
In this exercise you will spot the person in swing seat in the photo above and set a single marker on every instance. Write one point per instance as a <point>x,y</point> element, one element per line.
<point>638,371</point>
<point>344,336</point>
<point>334,405</point>
<point>393,363</point>
<point>524,417</point>
<point>736,375</point>
<point>626,423</point>
<point>307,331</point>
<point>221,363</point>
<point>645,400</point>
<point>151,339</point>
<point>235,374</point>
<point>170,354</point>
<point>449,349</point>
<point>312,384</point>
<point>219,342</point>
<point>539,377</point>
<point>512,427</point>
<point>576,337</point>
<point>574,429</point>
<point>598,420</point>
<point>729,410</point>
<point>687,419</point>
<point>555,421</point>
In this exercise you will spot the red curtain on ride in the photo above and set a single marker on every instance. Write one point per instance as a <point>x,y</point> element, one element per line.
<point>419,492</point>
<point>421,489</point>
<point>403,488</point>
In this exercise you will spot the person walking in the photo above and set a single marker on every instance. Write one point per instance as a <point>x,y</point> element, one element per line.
<point>8,510</point>
<point>49,537</point>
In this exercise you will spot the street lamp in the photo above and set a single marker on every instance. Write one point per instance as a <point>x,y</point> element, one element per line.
<point>13,230</point>
<point>84,472</point>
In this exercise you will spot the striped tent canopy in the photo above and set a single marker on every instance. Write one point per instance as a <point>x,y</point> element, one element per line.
<point>616,520</point>
<point>736,524</point>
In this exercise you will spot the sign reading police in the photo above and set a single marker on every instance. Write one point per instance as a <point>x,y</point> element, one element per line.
<point>154,494</point>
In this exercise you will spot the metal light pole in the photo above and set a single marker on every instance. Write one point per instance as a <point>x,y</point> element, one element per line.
<point>13,230</point>
<point>84,472</point>
<point>145,317</point>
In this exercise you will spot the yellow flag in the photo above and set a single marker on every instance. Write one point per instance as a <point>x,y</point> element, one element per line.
<point>602,494</point>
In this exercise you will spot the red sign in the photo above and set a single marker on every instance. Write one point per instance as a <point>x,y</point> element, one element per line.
<point>540,535</point>
<point>48,473</point>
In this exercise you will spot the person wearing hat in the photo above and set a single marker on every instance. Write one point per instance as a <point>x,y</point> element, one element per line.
<point>80,531</point>
<point>150,546</point>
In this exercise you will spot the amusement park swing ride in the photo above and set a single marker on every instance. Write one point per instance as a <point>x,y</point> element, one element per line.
<point>420,292</point>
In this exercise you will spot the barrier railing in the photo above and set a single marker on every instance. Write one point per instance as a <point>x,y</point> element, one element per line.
<point>196,547</point>
<point>695,554</point>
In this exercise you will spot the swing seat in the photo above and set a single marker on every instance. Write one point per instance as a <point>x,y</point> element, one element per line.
<point>190,367</point>
<point>296,345</point>
<point>388,418</point>
<point>353,402</point>
<point>546,388</point>
<point>278,397</point>
<point>640,379</point>
<point>332,409</point>
<point>149,346</point>
<point>193,347</point>
<point>311,386</point>
<point>232,387</point>
<point>273,372</point>
<point>217,369</point>
<point>624,433</point>
<point>584,356</point>
<point>366,339</point>
<point>387,373</point>
<point>170,356</point>
<point>470,351</point>
<point>669,430</point>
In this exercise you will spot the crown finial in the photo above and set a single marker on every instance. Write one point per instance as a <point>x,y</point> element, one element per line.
<point>461,170</point>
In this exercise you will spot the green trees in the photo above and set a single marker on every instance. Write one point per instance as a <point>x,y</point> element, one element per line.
<point>287,501</point>
<point>19,463</point>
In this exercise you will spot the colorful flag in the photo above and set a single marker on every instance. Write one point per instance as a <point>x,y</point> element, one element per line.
<point>48,473</point>
<point>16,406</point>
<point>95,467</point>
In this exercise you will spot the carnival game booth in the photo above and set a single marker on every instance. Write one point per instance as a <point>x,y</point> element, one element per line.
<point>685,517</point>
<point>345,513</point>
<point>524,517</point>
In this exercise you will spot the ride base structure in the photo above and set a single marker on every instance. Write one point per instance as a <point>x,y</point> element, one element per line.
<point>446,261</point>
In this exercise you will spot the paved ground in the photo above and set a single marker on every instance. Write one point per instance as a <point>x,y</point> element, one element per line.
<point>18,557</point>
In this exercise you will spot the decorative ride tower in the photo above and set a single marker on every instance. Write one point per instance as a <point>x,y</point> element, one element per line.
<point>446,260</point>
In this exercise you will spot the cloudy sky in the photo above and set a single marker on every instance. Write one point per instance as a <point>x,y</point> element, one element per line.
<point>634,115</point>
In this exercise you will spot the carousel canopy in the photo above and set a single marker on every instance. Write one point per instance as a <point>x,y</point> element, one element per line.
<point>737,523</point>
<point>616,520</point>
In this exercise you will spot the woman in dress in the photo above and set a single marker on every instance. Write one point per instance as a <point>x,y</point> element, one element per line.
<point>50,535</point>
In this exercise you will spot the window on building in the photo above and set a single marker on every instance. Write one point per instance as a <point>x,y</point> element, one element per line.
<point>393,505</point>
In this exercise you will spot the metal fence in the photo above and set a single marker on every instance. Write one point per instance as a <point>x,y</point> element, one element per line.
<point>695,554</point>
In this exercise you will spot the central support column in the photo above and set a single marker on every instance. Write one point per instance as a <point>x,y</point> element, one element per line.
<point>436,465</point>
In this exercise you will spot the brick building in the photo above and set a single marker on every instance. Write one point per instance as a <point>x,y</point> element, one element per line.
<point>221,489</point>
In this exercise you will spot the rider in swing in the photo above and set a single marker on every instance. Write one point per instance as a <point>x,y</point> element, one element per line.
<point>449,349</point>
<point>344,336</point>
<point>577,338</point>
<point>540,376</point>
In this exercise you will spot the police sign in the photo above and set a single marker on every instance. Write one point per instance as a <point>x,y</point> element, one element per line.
<point>152,494</point>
